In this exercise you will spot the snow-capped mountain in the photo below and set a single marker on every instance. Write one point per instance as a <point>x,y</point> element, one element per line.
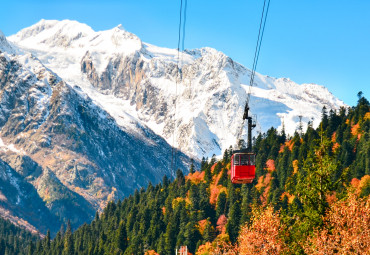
<point>86,117</point>
<point>202,106</point>
<point>61,155</point>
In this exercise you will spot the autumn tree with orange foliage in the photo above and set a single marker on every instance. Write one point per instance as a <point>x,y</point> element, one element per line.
<point>347,229</point>
<point>264,235</point>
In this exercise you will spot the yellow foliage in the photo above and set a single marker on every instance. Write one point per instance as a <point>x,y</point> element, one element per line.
<point>205,249</point>
<point>202,225</point>
<point>228,165</point>
<point>295,166</point>
<point>112,194</point>
<point>289,196</point>
<point>364,183</point>
<point>178,200</point>
<point>259,184</point>
<point>367,116</point>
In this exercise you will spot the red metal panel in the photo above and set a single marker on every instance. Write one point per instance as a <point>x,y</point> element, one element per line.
<point>242,173</point>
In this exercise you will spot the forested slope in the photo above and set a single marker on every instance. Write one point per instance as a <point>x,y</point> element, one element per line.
<point>305,185</point>
<point>14,240</point>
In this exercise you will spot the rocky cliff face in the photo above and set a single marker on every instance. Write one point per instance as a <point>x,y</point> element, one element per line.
<point>62,156</point>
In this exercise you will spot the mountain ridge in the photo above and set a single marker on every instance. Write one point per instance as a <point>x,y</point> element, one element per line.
<point>66,149</point>
<point>142,78</point>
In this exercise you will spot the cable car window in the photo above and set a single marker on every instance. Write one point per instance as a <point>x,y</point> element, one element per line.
<point>252,159</point>
<point>236,160</point>
<point>244,159</point>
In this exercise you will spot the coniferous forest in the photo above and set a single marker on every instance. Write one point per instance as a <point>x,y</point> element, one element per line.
<point>310,196</point>
<point>14,240</point>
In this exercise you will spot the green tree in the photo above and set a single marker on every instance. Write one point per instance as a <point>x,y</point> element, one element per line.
<point>68,241</point>
<point>192,170</point>
<point>121,237</point>
<point>209,233</point>
<point>224,178</point>
<point>314,182</point>
<point>233,222</point>
<point>221,204</point>
<point>192,236</point>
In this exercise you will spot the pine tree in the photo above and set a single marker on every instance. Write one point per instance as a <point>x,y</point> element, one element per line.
<point>68,241</point>
<point>324,118</point>
<point>31,248</point>
<point>224,178</point>
<point>121,237</point>
<point>209,232</point>
<point>191,235</point>
<point>226,157</point>
<point>221,204</point>
<point>180,178</point>
<point>245,206</point>
<point>170,236</point>
<point>233,223</point>
<point>192,166</point>
<point>194,197</point>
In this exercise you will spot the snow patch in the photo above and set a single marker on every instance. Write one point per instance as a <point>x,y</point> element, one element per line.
<point>10,147</point>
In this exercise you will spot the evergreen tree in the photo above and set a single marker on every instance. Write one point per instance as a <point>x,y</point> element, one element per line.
<point>121,237</point>
<point>233,222</point>
<point>245,206</point>
<point>31,248</point>
<point>191,235</point>
<point>68,241</point>
<point>224,178</point>
<point>192,166</point>
<point>324,118</point>
<point>226,156</point>
<point>221,204</point>
<point>180,178</point>
<point>209,232</point>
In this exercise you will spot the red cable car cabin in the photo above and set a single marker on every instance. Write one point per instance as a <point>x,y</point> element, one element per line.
<point>243,168</point>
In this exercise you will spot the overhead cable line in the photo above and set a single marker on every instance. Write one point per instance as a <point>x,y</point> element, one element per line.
<point>181,38</point>
<point>261,31</point>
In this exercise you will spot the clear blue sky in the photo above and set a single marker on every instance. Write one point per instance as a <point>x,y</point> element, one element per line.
<point>310,41</point>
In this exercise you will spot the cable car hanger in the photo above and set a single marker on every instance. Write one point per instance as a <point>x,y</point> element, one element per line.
<point>243,166</point>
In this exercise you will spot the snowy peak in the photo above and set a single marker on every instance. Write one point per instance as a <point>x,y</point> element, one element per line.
<point>4,44</point>
<point>53,33</point>
<point>70,41</point>
<point>69,34</point>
